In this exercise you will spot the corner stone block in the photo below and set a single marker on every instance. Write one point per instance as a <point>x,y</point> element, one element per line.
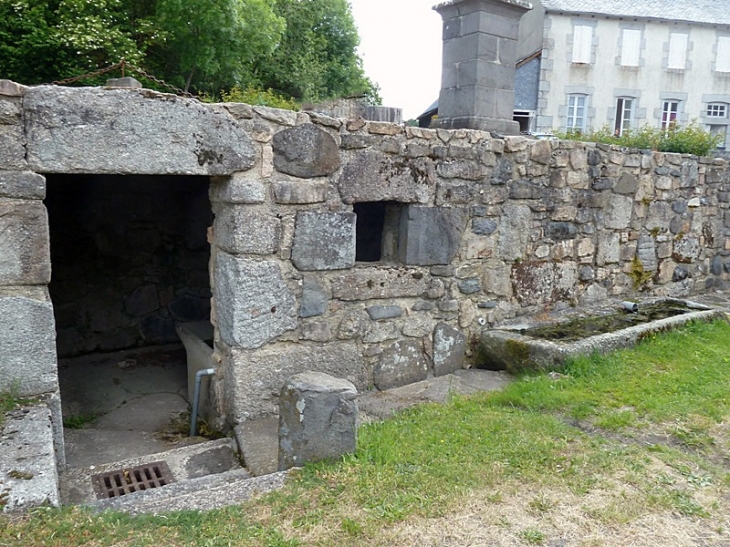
<point>324,241</point>
<point>25,257</point>
<point>306,151</point>
<point>12,147</point>
<point>27,346</point>
<point>430,235</point>
<point>317,419</point>
<point>401,364</point>
<point>449,346</point>
<point>253,304</point>
<point>242,188</point>
<point>246,230</point>
<point>22,185</point>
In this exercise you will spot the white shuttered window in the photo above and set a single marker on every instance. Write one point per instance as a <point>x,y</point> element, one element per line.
<point>723,54</point>
<point>630,47</point>
<point>582,43</point>
<point>677,51</point>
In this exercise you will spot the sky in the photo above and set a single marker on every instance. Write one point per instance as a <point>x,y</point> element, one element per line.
<point>400,45</point>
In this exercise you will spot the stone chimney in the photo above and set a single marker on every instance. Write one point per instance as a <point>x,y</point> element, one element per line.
<point>478,74</point>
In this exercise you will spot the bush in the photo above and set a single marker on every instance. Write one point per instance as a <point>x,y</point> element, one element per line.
<point>690,139</point>
<point>259,97</point>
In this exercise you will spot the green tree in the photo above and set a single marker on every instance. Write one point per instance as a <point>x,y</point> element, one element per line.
<point>317,56</point>
<point>41,41</point>
<point>210,45</point>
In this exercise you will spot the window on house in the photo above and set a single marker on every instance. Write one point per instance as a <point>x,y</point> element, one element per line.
<point>723,54</point>
<point>669,114</point>
<point>624,115</point>
<point>376,231</point>
<point>717,110</point>
<point>582,44</point>
<point>720,130</point>
<point>576,117</point>
<point>677,51</point>
<point>630,47</point>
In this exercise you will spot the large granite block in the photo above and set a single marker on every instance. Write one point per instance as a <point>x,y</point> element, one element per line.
<point>317,419</point>
<point>93,130</point>
<point>305,151</point>
<point>402,363</point>
<point>324,241</point>
<point>24,245</point>
<point>430,235</point>
<point>22,185</point>
<point>27,346</point>
<point>253,304</point>
<point>246,230</point>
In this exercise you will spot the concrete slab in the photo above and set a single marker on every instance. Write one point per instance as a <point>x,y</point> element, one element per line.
<point>28,476</point>
<point>259,444</point>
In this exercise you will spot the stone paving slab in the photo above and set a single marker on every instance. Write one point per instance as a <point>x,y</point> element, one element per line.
<point>28,476</point>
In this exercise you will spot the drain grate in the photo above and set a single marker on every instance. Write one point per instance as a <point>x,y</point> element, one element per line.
<point>135,479</point>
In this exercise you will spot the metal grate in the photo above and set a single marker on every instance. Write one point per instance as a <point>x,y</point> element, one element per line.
<point>135,479</point>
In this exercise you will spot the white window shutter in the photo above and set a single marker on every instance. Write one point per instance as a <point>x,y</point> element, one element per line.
<point>677,51</point>
<point>582,43</point>
<point>723,54</point>
<point>630,47</point>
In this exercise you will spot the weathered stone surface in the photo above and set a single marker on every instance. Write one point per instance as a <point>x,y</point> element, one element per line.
<point>646,252</point>
<point>449,346</point>
<point>27,346</point>
<point>22,185</point>
<point>430,235</point>
<point>276,115</point>
<point>12,149</point>
<point>123,129</point>
<point>462,169</point>
<point>514,231</point>
<point>306,151</point>
<point>686,249</point>
<point>541,152</point>
<point>11,89</point>
<point>315,297</point>
<point>368,284</point>
<point>484,226</point>
<point>24,244</point>
<point>317,331</point>
<point>561,230</point>
<point>254,378</point>
<point>317,419</point>
<point>374,176</point>
<point>378,313</point>
<point>380,332</point>
<point>241,188</point>
<point>247,229</point>
<point>540,283</point>
<point>680,274</point>
<point>627,184</point>
<point>618,212</point>
<point>469,286</point>
<point>10,111</point>
<point>299,193</point>
<point>402,363</point>
<point>502,172</point>
<point>324,241</point>
<point>253,304</point>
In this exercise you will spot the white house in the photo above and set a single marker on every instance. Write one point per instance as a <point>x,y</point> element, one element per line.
<point>626,63</point>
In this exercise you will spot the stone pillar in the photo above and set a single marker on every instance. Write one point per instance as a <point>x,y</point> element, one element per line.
<point>317,419</point>
<point>479,57</point>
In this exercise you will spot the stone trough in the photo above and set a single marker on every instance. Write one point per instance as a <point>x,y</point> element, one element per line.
<point>515,349</point>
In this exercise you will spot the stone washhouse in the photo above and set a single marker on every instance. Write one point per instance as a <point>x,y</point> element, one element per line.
<point>369,251</point>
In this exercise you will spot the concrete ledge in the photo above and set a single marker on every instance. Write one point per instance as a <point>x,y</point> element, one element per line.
<point>28,474</point>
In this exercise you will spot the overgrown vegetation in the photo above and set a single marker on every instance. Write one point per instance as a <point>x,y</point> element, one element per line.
<point>260,97</point>
<point>10,400</point>
<point>625,444</point>
<point>305,50</point>
<point>687,139</point>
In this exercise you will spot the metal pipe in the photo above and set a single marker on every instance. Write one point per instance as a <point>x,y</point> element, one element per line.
<point>196,399</point>
<point>632,307</point>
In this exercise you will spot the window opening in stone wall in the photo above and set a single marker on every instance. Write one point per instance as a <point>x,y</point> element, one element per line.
<point>624,115</point>
<point>376,235</point>
<point>130,263</point>
<point>670,109</point>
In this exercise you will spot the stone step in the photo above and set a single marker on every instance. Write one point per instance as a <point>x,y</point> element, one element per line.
<point>201,494</point>
<point>185,463</point>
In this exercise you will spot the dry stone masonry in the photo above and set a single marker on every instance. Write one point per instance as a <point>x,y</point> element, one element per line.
<point>368,251</point>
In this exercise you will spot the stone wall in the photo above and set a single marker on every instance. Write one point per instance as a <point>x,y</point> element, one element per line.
<point>365,250</point>
<point>473,230</point>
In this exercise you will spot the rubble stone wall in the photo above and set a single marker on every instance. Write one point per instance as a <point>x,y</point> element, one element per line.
<point>367,250</point>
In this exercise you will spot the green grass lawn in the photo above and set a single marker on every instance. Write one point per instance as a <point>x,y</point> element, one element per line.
<point>612,444</point>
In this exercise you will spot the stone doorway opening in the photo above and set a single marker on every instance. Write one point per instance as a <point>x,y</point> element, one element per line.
<point>130,258</point>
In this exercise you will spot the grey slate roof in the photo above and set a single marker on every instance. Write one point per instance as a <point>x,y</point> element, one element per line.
<point>698,11</point>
